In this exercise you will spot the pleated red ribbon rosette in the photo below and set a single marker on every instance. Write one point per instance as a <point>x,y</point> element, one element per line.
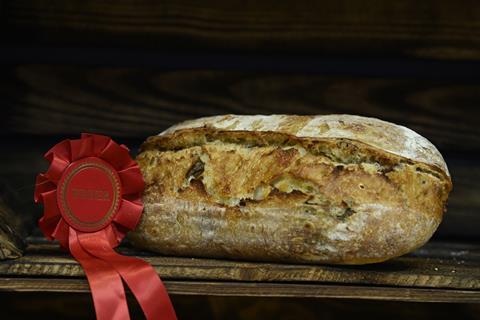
<point>91,195</point>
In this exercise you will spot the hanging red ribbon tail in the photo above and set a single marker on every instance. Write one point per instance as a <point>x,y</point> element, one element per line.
<point>138,274</point>
<point>105,283</point>
<point>91,195</point>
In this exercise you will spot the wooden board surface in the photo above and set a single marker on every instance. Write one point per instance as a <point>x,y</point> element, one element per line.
<point>242,289</point>
<point>440,271</point>
<point>432,29</point>
<point>440,265</point>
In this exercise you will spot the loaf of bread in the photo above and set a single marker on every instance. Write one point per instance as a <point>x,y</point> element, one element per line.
<point>337,189</point>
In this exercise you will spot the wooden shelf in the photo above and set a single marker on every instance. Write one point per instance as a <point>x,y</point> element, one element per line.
<point>264,289</point>
<point>439,272</point>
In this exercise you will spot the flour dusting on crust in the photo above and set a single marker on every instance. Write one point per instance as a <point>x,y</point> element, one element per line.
<point>377,133</point>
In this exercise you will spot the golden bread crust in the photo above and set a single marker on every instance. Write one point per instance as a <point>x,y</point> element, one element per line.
<point>284,195</point>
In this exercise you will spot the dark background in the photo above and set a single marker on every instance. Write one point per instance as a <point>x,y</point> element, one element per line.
<point>130,69</point>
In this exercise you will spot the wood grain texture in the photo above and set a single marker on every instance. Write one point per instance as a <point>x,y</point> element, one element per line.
<point>242,289</point>
<point>434,29</point>
<point>437,265</point>
<point>133,102</point>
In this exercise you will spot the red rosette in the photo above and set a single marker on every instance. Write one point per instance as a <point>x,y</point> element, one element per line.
<point>91,195</point>
<point>69,154</point>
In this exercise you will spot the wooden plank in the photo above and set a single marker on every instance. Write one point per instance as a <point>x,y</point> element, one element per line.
<point>135,102</point>
<point>456,269</point>
<point>433,29</point>
<point>240,289</point>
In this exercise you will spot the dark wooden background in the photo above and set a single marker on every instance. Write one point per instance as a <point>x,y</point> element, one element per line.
<point>131,69</point>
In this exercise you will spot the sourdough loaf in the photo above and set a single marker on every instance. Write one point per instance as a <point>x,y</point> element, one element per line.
<point>329,189</point>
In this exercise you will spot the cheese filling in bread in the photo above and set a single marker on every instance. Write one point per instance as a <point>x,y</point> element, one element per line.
<point>331,189</point>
